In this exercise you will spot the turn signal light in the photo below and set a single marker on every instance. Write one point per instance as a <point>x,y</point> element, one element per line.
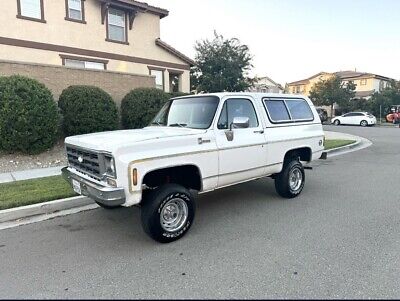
<point>134,177</point>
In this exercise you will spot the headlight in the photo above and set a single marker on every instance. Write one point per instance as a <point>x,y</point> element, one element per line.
<point>109,166</point>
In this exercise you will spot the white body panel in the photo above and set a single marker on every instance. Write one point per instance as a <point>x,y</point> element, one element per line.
<point>355,118</point>
<point>253,152</point>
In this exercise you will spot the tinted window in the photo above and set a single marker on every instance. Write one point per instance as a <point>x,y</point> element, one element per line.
<point>299,109</point>
<point>277,110</point>
<point>237,107</point>
<point>358,114</point>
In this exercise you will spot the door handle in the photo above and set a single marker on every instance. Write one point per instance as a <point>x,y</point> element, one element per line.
<point>259,132</point>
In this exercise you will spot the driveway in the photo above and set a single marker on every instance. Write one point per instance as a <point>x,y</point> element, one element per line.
<point>339,239</point>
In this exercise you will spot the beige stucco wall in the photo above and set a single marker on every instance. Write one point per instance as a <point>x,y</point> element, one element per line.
<point>91,36</point>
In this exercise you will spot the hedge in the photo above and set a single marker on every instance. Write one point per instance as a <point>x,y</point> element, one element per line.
<point>29,119</point>
<point>87,109</point>
<point>140,106</point>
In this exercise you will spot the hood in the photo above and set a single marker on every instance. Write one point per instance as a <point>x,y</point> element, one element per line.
<point>109,141</point>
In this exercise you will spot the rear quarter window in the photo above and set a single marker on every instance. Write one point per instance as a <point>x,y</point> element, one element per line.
<point>288,110</point>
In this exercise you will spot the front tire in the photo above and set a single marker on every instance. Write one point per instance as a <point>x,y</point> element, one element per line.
<point>336,122</point>
<point>363,123</point>
<point>289,183</point>
<point>168,212</point>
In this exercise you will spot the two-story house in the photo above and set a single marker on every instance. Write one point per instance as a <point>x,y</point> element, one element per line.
<point>366,83</point>
<point>266,85</point>
<point>116,35</point>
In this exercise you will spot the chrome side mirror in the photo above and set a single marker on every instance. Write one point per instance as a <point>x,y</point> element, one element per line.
<point>240,123</point>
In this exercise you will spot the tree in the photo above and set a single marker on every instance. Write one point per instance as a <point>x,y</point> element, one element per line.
<point>384,99</point>
<point>330,91</point>
<point>221,65</point>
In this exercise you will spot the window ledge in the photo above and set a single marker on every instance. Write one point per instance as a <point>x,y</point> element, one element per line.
<point>75,20</point>
<point>118,42</point>
<point>31,19</point>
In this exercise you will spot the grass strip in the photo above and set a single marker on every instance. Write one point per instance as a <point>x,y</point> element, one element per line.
<point>34,191</point>
<point>334,143</point>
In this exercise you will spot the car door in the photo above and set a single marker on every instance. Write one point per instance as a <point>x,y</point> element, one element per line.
<point>347,118</point>
<point>243,157</point>
<point>358,118</point>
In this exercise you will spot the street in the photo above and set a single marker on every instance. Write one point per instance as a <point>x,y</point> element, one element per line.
<point>339,239</point>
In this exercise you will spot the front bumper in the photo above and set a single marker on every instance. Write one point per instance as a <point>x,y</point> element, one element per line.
<point>108,196</point>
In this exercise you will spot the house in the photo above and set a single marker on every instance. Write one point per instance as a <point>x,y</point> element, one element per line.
<point>366,83</point>
<point>120,36</point>
<point>266,85</point>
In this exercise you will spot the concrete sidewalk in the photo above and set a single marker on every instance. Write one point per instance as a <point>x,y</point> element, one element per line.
<point>30,174</point>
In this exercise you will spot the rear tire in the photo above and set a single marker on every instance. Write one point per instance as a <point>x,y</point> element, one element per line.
<point>289,183</point>
<point>336,122</point>
<point>364,123</point>
<point>168,212</point>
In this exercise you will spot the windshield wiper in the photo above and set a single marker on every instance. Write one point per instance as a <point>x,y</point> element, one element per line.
<point>182,125</point>
<point>156,122</point>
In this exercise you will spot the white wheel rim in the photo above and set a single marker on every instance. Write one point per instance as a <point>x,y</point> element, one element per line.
<point>295,179</point>
<point>174,215</point>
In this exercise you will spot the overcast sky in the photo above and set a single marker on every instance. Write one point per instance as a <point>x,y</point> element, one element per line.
<point>294,39</point>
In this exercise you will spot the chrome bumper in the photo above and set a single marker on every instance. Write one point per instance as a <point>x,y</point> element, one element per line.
<point>108,196</point>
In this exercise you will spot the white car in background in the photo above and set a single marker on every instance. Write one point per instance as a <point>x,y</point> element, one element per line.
<point>355,118</point>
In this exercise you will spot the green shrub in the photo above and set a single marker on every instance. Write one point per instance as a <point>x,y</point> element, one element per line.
<point>87,109</point>
<point>140,106</point>
<point>28,115</point>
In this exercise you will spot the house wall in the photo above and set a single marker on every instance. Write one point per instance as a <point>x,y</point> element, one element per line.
<point>85,40</point>
<point>57,78</point>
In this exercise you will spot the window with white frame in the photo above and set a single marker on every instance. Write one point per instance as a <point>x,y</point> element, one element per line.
<point>363,82</point>
<point>31,8</point>
<point>84,64</point>
<point>75,9</point>
<point>116,25</point>
<point>159,78</point>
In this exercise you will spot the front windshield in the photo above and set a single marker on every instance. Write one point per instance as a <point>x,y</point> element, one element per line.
<point>193,112</point>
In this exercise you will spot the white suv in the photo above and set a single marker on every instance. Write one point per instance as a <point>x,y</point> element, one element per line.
<point>201,142</point>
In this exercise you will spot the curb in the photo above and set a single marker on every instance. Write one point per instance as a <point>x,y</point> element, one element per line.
<point>48,208</point>
<point>360,143</point>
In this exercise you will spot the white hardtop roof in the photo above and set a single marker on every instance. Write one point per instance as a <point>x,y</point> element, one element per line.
<point>256,95</point>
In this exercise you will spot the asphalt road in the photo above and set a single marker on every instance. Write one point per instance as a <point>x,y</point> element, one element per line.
<point>339,239</point>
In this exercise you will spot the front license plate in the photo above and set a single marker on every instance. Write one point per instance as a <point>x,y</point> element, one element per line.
<point>76,186</point>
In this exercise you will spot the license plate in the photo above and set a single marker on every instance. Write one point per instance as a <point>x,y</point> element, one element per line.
<point>76,186</point>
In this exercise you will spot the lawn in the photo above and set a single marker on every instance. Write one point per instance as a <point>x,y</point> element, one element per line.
<point>34,191</point>
<point>334,143</point>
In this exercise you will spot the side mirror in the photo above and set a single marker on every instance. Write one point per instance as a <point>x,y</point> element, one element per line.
<point>240,123</point>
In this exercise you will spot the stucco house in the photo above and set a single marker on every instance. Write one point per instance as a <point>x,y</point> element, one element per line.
<point>120,36</point>
<point>266,85</point>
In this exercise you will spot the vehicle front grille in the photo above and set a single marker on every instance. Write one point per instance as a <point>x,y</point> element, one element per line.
<point>90,164</point>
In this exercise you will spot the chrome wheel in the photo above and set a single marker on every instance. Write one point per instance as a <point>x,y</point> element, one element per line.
<point>174,215</point>
<point>364,123</point>
<point>295,179</point>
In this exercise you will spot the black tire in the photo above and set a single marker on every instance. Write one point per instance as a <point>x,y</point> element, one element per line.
<point>154,205</point>
<point>364,123</point>
<point>282,180</point>
<point>336,122</point>
<point>108,207</point>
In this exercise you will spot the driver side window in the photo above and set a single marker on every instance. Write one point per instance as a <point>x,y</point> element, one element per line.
<point>237,107</point>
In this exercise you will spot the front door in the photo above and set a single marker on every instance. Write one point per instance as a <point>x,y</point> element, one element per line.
<point>242,151</point>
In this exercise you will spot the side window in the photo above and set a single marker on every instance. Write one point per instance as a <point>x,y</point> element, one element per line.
<point>237,107</point>
<point>299,109</point>
<point>277,110</point>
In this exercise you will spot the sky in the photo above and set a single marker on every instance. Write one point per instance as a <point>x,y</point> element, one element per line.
<point>293,39</point>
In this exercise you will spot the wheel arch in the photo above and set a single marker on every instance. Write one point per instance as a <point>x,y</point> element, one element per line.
<point>188,175</point>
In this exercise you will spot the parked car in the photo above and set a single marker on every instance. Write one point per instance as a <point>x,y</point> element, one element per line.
<point>323,114</point>
<point>200,142</point>
<point>355,118</point>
